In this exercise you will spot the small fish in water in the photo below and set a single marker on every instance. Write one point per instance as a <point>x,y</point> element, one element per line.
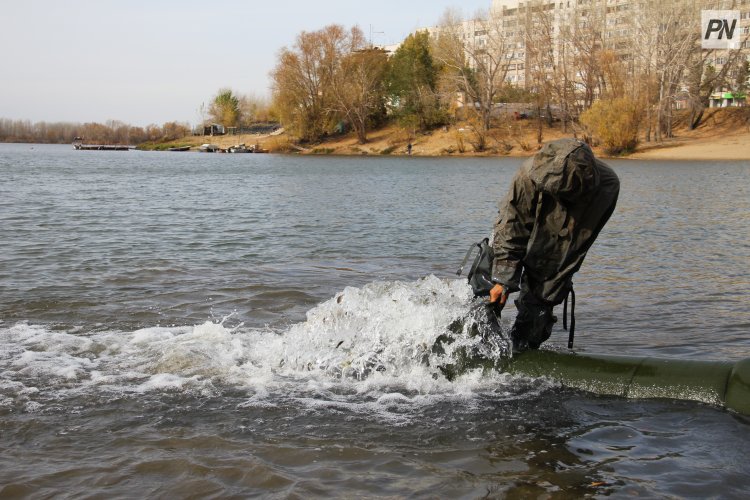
<point>488,353</point>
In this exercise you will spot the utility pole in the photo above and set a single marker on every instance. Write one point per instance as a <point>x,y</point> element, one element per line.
<point>374,32</point>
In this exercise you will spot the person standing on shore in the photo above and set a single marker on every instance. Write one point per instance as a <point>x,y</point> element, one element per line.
<point>559,201</point>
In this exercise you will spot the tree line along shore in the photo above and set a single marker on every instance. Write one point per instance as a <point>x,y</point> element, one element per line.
<point>623,78</point>
<point>723,135</point>
<point>450,90</point>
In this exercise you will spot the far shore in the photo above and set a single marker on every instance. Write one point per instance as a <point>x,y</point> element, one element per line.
<point>730,147</point>
<point>723,135</point>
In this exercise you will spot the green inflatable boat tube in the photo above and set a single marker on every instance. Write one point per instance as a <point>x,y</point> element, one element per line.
<point>713,382</point>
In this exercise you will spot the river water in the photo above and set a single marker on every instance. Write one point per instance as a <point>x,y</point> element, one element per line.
<point>187,325</point>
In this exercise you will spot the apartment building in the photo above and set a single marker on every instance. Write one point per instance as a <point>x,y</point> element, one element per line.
<point>612,24</point>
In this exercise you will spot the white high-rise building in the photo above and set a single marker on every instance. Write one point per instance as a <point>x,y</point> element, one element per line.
<point>620,20</point>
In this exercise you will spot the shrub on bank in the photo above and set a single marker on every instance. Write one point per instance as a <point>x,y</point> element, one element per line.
<point>615,123</point>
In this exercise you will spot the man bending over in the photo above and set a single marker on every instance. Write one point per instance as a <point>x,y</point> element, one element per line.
<point>558,203</point>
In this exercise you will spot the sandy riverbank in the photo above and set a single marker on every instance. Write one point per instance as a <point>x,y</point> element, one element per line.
<point>732,147</point>
<point>705,146</point>
<point>724,134</point>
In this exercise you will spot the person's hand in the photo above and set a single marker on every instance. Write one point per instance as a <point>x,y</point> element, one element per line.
<point>498,295</point>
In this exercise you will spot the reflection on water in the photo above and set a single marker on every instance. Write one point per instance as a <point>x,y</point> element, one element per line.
<point>220,325</point>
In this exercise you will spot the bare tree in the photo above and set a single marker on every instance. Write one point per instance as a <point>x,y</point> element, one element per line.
<point>254,108</point>
<point>356,78</point>
<point>359,91</point>
<point>299,87</point>
<point>703,78</point>
<point>645,71</point>
<point>564,73</point>
<point>330,75</point>
<point>677,40</point>
<point>111,132</point>
<point>587,37</point>
<point>672,62</point>
<point>202,113</point>
<point>541,64</point>
<point>475,57</point>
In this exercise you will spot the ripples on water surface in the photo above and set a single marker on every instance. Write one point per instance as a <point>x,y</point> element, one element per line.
<point>190,325</point>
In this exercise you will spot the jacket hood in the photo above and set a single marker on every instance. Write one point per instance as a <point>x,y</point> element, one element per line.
<point>565,169</point>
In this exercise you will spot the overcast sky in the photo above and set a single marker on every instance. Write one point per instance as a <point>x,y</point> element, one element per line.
<point>145,62</point>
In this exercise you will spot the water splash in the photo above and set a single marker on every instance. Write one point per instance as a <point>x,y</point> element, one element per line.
<point>389,327</point>
<point>383,339</point>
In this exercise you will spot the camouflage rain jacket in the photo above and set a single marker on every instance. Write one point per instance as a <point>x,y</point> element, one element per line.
<point>559,202</point>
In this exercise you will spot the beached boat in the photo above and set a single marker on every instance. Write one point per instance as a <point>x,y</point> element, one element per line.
<point>179,148</point>
<point>209,148</point>
<point>240,148</point>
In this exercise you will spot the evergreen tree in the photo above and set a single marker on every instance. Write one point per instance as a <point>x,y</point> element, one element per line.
<point>412,84</point>
<point>225,108</point>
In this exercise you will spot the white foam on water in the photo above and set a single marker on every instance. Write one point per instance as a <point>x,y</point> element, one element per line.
<point>370,344</point>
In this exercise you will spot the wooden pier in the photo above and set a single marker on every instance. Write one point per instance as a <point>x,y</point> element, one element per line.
<point>102,147</point>
<point>78,144</point>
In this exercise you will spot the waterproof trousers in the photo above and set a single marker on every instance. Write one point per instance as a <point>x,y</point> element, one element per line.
<point>533,323</point>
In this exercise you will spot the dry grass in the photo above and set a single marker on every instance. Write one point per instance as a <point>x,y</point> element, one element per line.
<point>454,140</point>
<point>724,134</point>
